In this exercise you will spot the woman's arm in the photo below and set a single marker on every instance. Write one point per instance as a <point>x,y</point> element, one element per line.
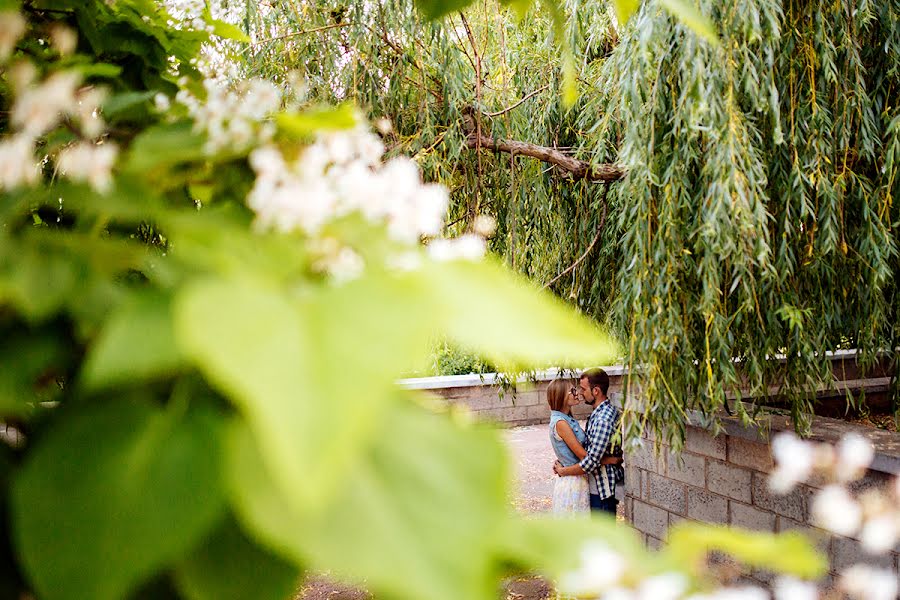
<point>564,430</point>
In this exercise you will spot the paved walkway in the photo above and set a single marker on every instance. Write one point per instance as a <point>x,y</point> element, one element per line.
<point>532,461</point>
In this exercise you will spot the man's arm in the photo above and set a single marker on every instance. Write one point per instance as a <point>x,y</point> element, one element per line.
<point>596,447</point>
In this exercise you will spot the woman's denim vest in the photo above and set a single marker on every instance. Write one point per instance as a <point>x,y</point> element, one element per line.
<point>565,456</point>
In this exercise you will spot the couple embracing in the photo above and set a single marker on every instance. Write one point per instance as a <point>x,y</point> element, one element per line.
<point>588,464</point>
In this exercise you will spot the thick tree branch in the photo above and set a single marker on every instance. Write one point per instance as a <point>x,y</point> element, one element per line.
<point>579,169</point>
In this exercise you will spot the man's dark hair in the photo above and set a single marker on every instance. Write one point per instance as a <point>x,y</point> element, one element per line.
<point>597,378</point>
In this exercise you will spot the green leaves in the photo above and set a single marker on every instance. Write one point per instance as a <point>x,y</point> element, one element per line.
<point>230,566</point>
<point>416,517</point>
<point>113,493</point>
<point>164,146</point>
<point>790,553</point>
<point>137,343</point>
<point>434,9</point>
<point>304,125</point>
<point>484,307</point>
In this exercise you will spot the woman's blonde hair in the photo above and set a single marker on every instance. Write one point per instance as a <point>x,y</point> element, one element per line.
<point>556,394</point>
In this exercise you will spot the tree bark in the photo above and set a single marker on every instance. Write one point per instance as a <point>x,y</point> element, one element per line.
<point>579,169</point>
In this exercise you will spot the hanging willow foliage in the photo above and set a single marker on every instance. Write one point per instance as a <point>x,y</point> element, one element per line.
<point>753,229</point>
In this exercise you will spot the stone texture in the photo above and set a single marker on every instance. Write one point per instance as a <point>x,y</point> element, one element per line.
<point>632,481</point>
<point>847,552</point>
<point>701,442</point>
<point>746,453</point>
<point>650,519</point>
<point>653,543</point>
<point>730,481</point>
<point>706,507</point>
<point>665,493</point>
<point>688,468</point>
<point>644,458</point>
<point>791,505</point>
<point>749,517</point>
<point>820,538</point>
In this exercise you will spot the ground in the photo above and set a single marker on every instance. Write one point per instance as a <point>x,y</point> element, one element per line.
<point>532,460</point>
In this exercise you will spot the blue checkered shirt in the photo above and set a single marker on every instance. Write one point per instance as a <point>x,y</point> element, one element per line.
<point>601,426</point>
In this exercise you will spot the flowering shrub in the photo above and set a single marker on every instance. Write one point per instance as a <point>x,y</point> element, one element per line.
<point>206,296</point>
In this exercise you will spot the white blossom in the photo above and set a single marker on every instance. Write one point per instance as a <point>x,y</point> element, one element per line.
<point>862,582</point>
<point>18,166</point>
<point>880,533</point>
<point>91,163</point>
<point>601,567</point>
<point>12,27</point>
<point>63,38</point>
<point>835,510</point>
<point>789,588</point>
<point>484,225</point>
<point>161,102</point>
<point>854,455</point>
<point>344,266</point>
<point>793,462</point>
<point>39,108</point>
<point>667,586</point>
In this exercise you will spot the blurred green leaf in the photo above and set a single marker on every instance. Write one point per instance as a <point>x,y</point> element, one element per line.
<point>686,12</point>
<point>624,9</point>
<point>136,344</point>
<point>434,9</point>
<point>230,566</point>
<point>306,124</point>
<point>228,31</point>
<point>27,359</point>
<point>163,146</point>
<point>487,308</point>
<point>112,494</point>
<point>520,7</point>
<point>34,280</point>
<point>789,553</point>
<point>417,518</point>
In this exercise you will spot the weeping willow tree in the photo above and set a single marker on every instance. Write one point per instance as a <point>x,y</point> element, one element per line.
<point>726,208</point>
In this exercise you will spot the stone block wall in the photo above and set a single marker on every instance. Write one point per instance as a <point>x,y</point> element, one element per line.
<point>723,480</point>
<point>487,399</point>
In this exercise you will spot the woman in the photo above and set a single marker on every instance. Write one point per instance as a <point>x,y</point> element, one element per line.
<point>570,494</point>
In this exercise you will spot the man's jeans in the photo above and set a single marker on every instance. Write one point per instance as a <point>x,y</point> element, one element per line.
<point>605,504</point>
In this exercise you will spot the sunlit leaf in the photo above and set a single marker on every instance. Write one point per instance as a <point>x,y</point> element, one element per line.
<point>395,524</point>
<point>790,553</point>
<point>434,9</point>
<point>624,9</point>
<point>306,124</point>
<point>137,343</point>
<point>489,309</point>
<point>687,12</point>
<point>228,31</point>
<point>113,493</point>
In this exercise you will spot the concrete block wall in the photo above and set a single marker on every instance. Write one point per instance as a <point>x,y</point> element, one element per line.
<point>723,480</point>
<point>487,399</point>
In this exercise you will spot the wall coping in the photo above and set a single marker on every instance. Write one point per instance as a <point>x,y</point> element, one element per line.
<point>488,379</point>
<point>822,429</point>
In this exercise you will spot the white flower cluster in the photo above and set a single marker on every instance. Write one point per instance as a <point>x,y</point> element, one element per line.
<point>41,106</point>
<point>874,517</point>
<point>605,574</point>
<point>232,118</point>
<point>341,174</point>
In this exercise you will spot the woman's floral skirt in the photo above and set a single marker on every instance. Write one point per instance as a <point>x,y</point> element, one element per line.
<point>571,496</point>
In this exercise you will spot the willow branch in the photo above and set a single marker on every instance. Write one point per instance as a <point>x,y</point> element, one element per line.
<point>590,247</point>
<point>299,33</point>
<point>511,107</point>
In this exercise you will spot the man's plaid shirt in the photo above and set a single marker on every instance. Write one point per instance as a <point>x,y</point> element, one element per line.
<point>601,426</point>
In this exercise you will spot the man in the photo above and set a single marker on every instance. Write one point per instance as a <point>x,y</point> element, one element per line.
<point>601,425</point>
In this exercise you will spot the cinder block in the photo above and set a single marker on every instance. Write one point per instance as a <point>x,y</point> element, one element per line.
<point>706,507</point>
<point>747,453</point>
<point>821,539</point>
<point>644,458</point>
<point>653,543</point>
<point>688,468</point>
<point>749,517</point>
<point>650,519</point>
<point>700,441</point>
<point>847,552</point>
<point>791,505</point>
<point>666,493</point>
<point>733,482</point>
<point>632,481</point>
